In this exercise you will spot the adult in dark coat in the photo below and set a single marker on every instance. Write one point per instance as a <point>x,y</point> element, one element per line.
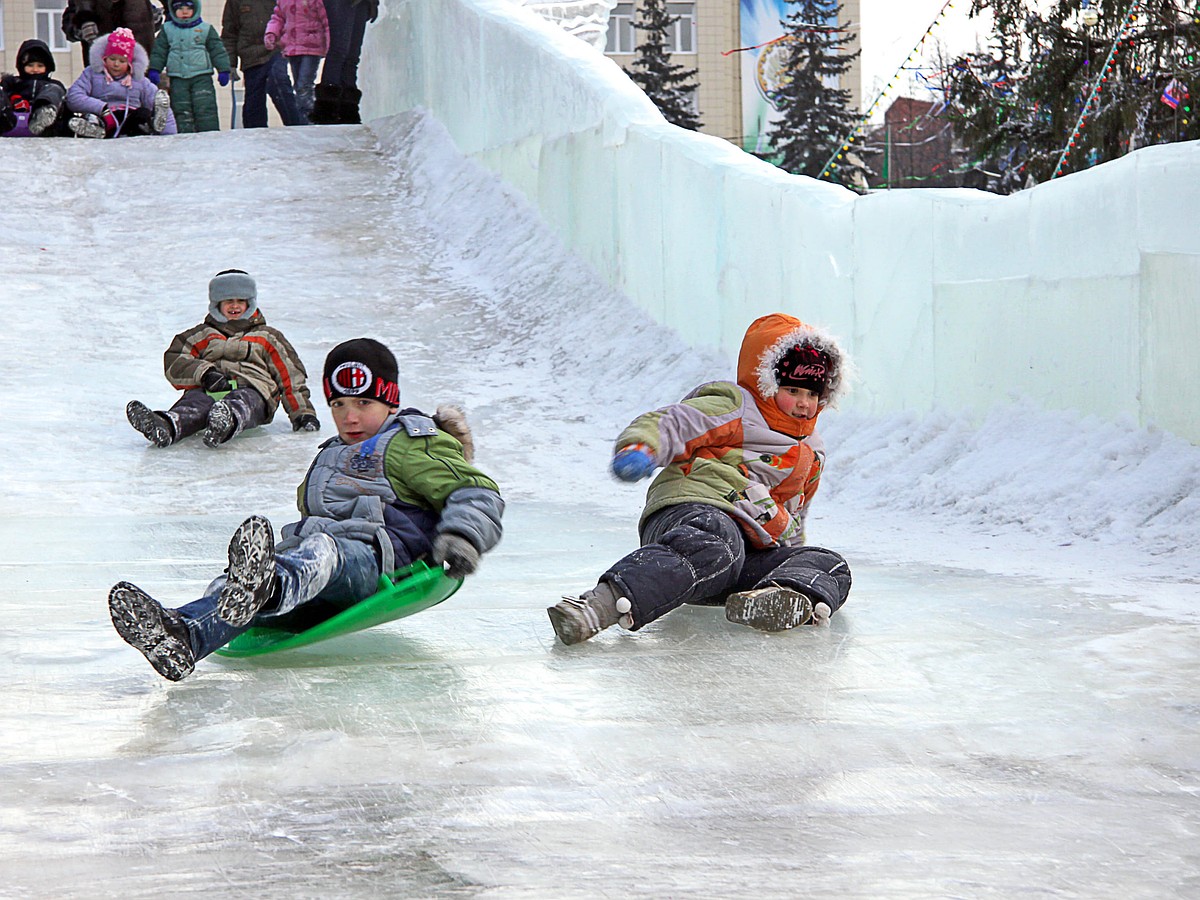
<point>337,96</point>
<point>84,20</point>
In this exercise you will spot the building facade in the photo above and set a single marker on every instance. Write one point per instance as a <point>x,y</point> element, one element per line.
<point>733,45</point>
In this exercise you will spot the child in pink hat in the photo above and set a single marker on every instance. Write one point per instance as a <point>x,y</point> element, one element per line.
<point>113,98</point>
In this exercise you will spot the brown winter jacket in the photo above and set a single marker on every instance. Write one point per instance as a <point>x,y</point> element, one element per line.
<point>247,350</point>
<point>243,25</point>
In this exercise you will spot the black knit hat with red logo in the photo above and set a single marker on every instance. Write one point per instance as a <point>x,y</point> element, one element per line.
<point>803,366</point>
<point>362,368</point>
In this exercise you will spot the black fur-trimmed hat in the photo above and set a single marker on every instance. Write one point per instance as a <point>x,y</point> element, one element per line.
<point>362,368</point>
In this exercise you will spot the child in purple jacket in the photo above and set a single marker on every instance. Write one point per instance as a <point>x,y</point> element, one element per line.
<point>301,28</point>
<point>113,97</point>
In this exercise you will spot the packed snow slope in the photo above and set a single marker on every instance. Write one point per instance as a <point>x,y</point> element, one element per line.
<point>1006,705</point>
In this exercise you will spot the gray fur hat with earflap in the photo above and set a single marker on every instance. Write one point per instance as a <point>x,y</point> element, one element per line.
<point>232,284</point>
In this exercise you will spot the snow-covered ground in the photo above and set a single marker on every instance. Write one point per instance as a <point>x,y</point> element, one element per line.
<point>1006,705</point>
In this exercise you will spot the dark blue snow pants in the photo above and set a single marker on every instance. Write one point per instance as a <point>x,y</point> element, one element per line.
<point>695,553</point>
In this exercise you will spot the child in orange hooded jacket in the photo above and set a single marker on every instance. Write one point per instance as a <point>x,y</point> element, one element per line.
<point>724,519</point>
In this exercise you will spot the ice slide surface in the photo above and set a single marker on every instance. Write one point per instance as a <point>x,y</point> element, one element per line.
<point>1005,707</point>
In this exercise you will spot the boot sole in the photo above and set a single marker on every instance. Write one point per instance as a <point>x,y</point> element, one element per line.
<point>774,609</point>
<point>152,426</point>
<point>138,619</point>
<point>221,425</point>
<point>251,572</point>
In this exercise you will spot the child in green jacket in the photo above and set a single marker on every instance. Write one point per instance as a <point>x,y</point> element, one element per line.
<point>393,487</point>
<point>188,49</point>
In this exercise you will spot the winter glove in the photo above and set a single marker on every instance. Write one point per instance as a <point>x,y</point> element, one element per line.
<point>152,75</point>
<point>270,40</point>
<point>633,463</point>
<point>88,32</point>
<point>459,554</point>
<point>222,78</point>
<point>214,382</point>
<point>306,422</point>
<point>110,122</point>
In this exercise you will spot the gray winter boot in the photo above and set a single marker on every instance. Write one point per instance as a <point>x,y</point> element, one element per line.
<point>158,633</point>
<point>250,578</point>
<point>162,106</point>
<point>575,619</point>
<point>43,117</point>
<point>222,424</point>
<point>87,126</point>
<point>155,427</point>
<point>771,608</point>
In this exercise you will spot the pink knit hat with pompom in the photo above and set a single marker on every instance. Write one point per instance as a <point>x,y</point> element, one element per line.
<point>120,43</point>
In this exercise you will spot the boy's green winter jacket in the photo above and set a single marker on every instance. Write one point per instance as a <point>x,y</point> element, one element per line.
<point>188,47</point>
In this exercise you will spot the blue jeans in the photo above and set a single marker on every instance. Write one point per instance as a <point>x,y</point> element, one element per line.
<point>355,577</point>
<point>304,73</point>
<point>347,27</point>
<point>269,78</point>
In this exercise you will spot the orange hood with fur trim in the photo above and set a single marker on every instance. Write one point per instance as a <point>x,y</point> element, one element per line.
<point>767,340</point>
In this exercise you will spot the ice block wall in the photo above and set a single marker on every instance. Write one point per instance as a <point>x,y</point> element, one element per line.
<point>1082,293</point>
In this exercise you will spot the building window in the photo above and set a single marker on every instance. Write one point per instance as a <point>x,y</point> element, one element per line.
<point>47,24</point>
<point>623,37</point>
<point>681,36</point>
<point>1,24</point>
<point>620,30</point>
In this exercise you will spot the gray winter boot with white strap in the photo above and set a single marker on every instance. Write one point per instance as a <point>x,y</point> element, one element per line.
<point>576,619</point>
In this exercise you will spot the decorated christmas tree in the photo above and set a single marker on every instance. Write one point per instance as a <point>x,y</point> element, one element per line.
<point>669,85</point>
<point>1067,84</point>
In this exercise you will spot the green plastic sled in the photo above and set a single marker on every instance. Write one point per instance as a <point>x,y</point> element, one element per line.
<point>402,593</point>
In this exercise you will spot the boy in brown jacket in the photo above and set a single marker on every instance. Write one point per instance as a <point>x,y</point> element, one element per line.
<point>234,371</point>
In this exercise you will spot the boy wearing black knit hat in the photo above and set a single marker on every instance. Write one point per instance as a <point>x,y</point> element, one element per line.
<point>393,487</point>
<point>235,371</point>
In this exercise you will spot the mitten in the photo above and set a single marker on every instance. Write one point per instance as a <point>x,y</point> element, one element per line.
<point>214,382</point>
<point>153,75</point>
<point>306,422</point>
<point>110,122</point>
<point>270,41</point>
<point>459,554</point>
<point>633,463</point>
<point>88,32</point>
<point>223,78</point>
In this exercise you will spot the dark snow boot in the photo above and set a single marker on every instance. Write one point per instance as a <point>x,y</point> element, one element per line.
<point>326,105</point>
<point>222,424</point>
<point>155,427</point>
<point>348,107</point>
<point>250,579</point>
<point>159,633</point>
<point>771,608</point>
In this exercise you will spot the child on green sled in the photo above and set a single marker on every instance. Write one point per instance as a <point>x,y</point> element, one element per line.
<point>724,519</point>
<point>393,487</point>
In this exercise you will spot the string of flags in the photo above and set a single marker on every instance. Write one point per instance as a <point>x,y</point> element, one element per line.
<point>857,130</point>
<point>1131,15</point>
